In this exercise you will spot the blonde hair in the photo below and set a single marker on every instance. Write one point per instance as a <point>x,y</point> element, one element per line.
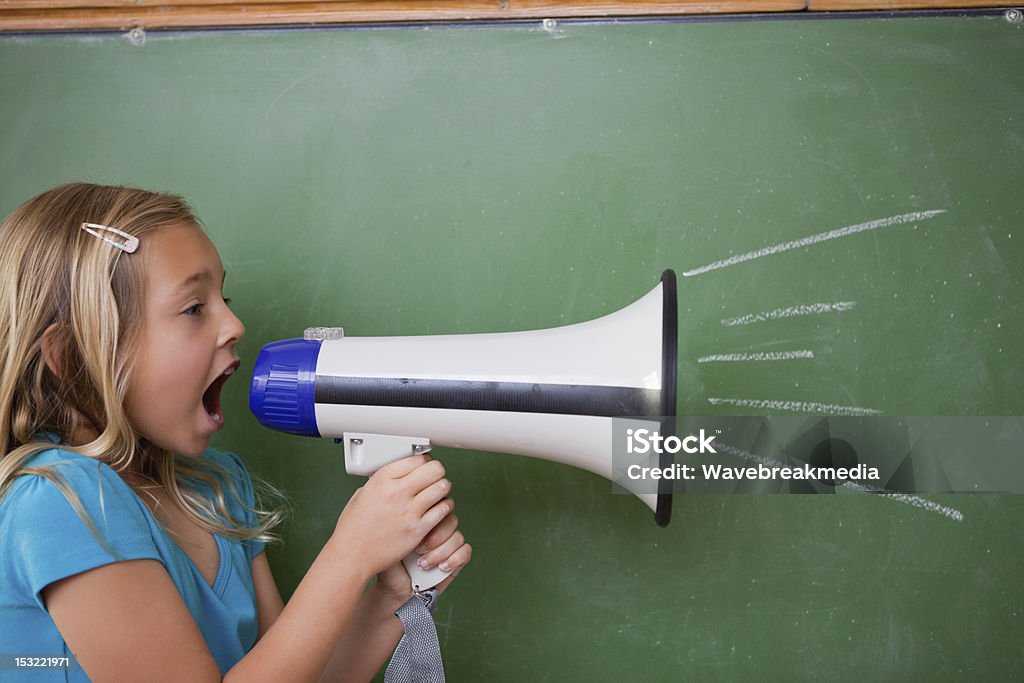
<point>55,275</point>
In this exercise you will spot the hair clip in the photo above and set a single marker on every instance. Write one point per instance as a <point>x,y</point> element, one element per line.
<point>130,243</point>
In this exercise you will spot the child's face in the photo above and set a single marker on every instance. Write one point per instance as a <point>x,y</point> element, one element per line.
<point>187,344</point>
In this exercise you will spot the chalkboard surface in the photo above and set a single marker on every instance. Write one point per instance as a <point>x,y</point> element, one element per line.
<point>840,198</point>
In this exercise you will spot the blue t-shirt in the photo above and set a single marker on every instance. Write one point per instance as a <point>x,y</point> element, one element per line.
<point>42,540</point>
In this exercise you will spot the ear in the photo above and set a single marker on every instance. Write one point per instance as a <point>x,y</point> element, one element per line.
<point>53,348</point>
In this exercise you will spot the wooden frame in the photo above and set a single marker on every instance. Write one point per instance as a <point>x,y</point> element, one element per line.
<point>78,15</point>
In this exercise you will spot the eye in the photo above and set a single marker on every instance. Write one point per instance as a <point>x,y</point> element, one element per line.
<point>194,310</point>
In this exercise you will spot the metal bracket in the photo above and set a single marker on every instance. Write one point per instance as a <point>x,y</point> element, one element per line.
<point>367,453</point>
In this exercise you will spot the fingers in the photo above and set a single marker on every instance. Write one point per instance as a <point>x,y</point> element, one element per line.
<point>453,554</point>
<point>432,494</point>
<point>419,478</point>
<point>438,534</point>
<point>416,491</point>
<point>459,559</point>
<point>443,552</point>
<point>401,468</point>
<point>432,517</point>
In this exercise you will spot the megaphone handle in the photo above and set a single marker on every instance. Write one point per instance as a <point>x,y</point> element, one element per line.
<point>364,455</point>
<point>422,579</point>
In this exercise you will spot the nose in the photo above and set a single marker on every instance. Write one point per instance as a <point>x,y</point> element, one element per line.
<point>232,329</point>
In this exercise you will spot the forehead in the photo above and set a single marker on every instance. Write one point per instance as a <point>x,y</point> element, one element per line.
<point>175,253</point>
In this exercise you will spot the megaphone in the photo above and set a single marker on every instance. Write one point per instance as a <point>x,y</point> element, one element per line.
<point>548,394</point>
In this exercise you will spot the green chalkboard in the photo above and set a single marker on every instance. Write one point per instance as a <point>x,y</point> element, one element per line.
<point>840,194</point>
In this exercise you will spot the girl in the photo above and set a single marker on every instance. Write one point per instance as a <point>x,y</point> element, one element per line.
<point>127,541</point>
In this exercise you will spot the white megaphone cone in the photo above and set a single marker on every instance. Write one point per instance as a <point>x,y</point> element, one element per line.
<point>548,394</point>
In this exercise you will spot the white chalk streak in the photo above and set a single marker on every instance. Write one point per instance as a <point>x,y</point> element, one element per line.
<point>907,499</point>
<point>789,312</point>
<point>794,406</point>
<point>815,239</point>
<point>771,355</point>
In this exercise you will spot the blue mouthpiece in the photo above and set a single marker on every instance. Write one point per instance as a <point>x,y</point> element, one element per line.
<point>282,395</point>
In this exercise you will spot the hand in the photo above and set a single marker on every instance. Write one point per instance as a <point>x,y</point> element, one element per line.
<point>396,509</point>
<point>394,584</point>
<point>443,545</point>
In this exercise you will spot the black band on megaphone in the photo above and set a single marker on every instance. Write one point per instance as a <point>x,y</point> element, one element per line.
<point>669,362</point>
<point>516,397</point>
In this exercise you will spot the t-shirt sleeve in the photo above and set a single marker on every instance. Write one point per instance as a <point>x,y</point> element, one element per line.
<point>45,538</point>
<point>247,503</point>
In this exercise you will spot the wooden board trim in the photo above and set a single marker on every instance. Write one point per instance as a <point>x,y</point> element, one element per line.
<point>82,15</point>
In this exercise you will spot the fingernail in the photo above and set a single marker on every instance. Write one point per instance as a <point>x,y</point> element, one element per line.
<point>420,549</point>
<point>422,562</point>
<point>445,567</point>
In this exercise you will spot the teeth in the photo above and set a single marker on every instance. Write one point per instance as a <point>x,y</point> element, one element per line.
<point>229,371</point>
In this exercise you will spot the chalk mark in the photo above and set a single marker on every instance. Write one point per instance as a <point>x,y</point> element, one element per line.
<point>266,117</point>
<point>789,312</point>
<point>906,499</point>
<point>771,355</point>
<point>795,406</point>
<point>815,239</point>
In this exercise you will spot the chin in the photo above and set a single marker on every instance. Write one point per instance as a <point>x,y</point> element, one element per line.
<point>194,450</point>
<point>189,449</point>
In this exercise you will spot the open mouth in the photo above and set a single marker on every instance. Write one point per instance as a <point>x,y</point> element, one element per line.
<point>211,398</point>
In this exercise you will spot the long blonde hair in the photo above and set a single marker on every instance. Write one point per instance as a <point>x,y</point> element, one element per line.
<point>55,275</point>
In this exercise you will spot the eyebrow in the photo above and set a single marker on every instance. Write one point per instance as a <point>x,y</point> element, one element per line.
<point>202,276</point>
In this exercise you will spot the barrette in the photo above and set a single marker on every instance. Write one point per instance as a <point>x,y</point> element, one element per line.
<point>130,243</point>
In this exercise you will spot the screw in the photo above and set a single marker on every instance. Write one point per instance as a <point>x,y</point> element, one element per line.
<point>550,24</point>
<point>1014,16</point>
<point>137,36</point>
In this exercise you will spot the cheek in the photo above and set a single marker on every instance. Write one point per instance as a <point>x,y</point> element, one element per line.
<point>168,374</point>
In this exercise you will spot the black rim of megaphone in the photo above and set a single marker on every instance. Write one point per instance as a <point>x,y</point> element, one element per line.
<point>669,362</point>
